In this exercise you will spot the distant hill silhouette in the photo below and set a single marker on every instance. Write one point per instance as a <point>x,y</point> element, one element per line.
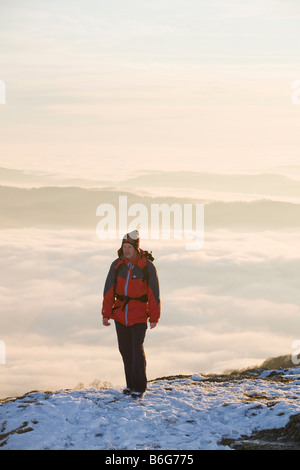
<point>76,207</point>
<point>263,184</point>
<point>280,362</point>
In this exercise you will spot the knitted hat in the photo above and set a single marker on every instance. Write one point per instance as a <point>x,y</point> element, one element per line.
<point>133,238</point>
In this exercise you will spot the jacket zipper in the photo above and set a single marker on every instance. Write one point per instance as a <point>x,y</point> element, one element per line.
<point>130,267</point>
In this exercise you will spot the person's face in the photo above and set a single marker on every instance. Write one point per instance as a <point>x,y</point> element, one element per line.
<point>129,251</point>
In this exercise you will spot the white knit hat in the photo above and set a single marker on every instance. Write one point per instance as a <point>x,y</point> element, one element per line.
<point>133,238</point>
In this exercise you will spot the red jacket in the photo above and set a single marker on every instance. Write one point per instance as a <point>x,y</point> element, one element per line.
<point>125,284</point>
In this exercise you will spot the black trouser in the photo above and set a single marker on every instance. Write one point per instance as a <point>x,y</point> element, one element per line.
<point>130,341</point>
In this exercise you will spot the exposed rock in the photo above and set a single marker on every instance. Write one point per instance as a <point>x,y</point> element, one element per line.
<point>286,438</point>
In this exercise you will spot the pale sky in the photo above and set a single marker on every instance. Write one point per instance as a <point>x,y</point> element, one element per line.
<point>97,88</point>
<point>102,89</point>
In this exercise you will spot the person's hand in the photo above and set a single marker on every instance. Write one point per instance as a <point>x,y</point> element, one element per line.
<point>105,322</point>
<point>152,325</point>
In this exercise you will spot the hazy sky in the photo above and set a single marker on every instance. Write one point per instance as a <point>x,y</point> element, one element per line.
<point>99,88</point>
<point>103,89</point>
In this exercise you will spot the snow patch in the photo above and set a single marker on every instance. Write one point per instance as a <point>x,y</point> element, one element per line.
<point>182,414</point>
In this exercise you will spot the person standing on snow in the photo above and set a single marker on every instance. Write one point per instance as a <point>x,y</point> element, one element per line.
<point>131,298</point>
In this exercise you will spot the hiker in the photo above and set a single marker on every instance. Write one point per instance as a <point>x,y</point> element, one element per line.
<point>131,298</point>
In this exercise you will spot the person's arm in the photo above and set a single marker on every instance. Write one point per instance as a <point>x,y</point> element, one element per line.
<point>108,295</point>
<point>153,295</point>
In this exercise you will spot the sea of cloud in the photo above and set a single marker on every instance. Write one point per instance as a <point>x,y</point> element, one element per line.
<point>230,305</point>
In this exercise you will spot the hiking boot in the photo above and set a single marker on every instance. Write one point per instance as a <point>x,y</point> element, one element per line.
<point>137,394</point>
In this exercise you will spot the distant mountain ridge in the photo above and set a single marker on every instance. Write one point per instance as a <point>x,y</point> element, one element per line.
<point>264,184</point>
<point>76,207</point>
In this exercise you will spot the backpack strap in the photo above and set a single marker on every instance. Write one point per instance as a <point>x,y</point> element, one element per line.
<point>126,299</point>
<point>117,268</point>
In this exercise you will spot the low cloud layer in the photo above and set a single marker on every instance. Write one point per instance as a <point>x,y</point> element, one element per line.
<point>232,304</point>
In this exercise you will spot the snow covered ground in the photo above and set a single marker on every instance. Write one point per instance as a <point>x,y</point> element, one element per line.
<point>176,413</point>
